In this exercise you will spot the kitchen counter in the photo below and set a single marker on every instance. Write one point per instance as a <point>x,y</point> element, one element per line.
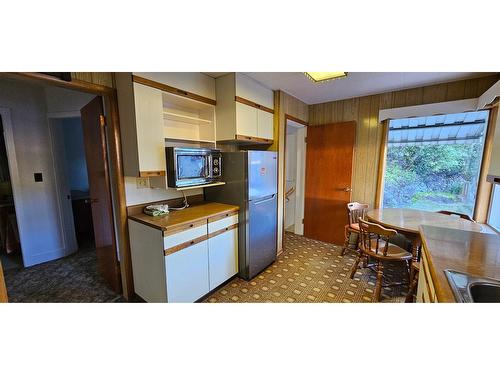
<point>465,251</point>
<point>195,212</point>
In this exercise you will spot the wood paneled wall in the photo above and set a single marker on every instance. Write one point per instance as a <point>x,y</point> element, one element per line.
<point>284,104</point>
<point>99,78</point>
<point>369,132</point>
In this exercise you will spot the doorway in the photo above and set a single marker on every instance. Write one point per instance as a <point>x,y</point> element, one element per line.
<point>72,183</point>
<point>295,156</point>
<point>63,195</point>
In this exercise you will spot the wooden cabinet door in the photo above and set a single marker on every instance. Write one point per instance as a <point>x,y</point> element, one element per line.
<point>265,124</point>
<point>223,257</point>
<point>187,273</point>
<point>149,122</point>
<point>246,120</point>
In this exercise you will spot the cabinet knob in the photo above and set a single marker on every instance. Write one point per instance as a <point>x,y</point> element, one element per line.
<point>192,242</point>
<point>192,225</point>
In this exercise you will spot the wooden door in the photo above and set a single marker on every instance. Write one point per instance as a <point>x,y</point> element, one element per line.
<point>94,136</point>
<point>330,151</point>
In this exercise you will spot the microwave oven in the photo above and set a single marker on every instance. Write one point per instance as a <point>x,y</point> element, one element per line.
<point>192,166</point>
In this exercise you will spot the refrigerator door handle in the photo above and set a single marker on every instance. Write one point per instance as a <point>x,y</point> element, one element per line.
<point>264,200</point>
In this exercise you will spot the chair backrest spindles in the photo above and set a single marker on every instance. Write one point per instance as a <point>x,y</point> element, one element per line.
<point>374,234</point>
<point>356,211</point>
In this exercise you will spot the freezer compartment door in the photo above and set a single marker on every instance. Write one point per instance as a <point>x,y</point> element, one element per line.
<point>262,174</point>
<point>262,233</point>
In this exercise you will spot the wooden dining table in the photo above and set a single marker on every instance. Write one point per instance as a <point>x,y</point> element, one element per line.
<point>408,221</point>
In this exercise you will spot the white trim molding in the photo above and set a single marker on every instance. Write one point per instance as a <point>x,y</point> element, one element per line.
<point>489,96</point>
<point>443,108</point>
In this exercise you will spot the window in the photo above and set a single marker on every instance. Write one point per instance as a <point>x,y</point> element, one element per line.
<point>433,162</point>
<point>494,215</point>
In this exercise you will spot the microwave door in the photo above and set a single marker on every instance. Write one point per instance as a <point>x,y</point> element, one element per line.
<point>192,169</point>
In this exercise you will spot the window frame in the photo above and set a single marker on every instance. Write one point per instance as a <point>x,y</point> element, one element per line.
<point>484,189</point>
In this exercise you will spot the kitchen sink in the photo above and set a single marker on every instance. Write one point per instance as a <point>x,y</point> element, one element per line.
<point>470,288</point>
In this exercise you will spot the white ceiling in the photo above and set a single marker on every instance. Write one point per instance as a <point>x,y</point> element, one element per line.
<point>354,85</point>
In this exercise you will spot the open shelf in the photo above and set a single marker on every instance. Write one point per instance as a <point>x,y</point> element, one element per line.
<point>173,116</point>
<point>188,140</point>
<point>200,186</point>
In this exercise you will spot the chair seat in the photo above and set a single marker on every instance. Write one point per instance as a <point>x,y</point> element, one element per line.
<point>393,251</point>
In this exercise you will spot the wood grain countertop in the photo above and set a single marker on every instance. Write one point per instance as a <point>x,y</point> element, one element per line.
<point>195,212</point>
<point>466,251</point>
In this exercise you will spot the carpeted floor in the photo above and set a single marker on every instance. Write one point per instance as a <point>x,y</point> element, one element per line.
<point>306,271</point>
<point>70,279</point>
<point>310,271</point>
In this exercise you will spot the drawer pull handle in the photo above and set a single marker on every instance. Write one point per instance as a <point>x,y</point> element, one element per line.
<point>192,242</point>
<point>227,228</point>
<point>191,225</point>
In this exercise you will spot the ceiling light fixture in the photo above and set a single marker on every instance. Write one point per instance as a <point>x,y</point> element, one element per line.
<point>318,77</point>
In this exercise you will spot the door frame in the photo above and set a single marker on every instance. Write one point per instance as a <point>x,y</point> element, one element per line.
<point>109,97</point>
<point>306,124</point>
<point>299,178</point>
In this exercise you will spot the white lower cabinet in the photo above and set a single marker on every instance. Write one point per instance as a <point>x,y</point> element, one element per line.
<point>187,273</point>
<point>223,257</point>
<point>198,259</point>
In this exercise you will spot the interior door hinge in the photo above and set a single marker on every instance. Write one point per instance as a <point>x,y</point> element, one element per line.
<point>102,120</point>
<point>305,139</point>
<point>302,221</point>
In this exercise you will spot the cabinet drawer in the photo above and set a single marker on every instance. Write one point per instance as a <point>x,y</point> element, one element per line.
<point>197,230</point>
<point>222,221</point>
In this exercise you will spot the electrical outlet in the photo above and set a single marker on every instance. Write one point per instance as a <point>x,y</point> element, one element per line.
<point>142,182</point>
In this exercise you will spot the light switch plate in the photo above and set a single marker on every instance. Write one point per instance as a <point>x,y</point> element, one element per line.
<point>142,182</point>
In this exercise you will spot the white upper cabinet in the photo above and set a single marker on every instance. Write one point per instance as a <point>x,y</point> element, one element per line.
<point>246,120</point>
<point>265,124</point>
<point>193,82</point>
<point>250,89</point>
<point>141,126</point>
<point>149,121</point>
<point>244,109</point>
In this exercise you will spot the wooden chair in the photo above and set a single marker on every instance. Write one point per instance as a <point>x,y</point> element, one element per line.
<point>451,213</point>
<point>375,245</point>
<point>355,211</point>
<point>416,265</point>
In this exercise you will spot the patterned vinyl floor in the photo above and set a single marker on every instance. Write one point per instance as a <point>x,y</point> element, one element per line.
<point>70,279</point>
<point>311,271</point>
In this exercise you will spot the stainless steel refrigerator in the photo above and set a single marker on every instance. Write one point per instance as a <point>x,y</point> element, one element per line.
<point>251,179</point>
